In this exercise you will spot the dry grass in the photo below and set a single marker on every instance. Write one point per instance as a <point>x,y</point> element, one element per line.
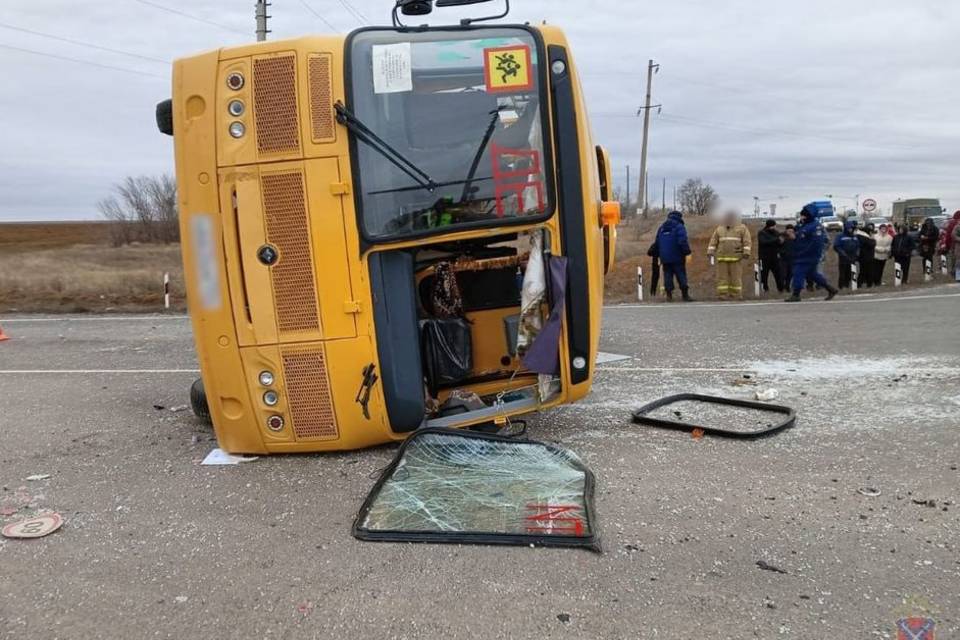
<point>30,236</point>
<point>90,278</point>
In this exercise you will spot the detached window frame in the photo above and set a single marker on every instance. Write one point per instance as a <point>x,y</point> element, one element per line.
<point>371,237</point>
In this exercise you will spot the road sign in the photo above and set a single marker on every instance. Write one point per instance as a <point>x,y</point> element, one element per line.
<point>869,205</point>
<point>33,527</point>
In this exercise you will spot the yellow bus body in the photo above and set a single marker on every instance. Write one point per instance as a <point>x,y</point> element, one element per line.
<point>288,182</point>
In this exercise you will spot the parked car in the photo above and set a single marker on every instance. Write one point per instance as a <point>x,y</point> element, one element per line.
<point>876,222</point>
<point>832,223</point>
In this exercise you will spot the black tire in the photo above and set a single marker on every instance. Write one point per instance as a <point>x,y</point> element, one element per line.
<point>198,401</point>
<point>165,117</point>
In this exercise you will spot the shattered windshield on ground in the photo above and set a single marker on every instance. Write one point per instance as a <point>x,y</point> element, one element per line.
<point>463,487</point>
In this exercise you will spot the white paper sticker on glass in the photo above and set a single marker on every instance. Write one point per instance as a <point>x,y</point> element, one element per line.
<point>392,68</point>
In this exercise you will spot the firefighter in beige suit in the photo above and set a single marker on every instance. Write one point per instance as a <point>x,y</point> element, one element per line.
<point>729,246</point>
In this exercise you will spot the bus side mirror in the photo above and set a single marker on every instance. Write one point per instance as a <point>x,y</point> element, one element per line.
<point>609,219</point>
<point>609,213</point>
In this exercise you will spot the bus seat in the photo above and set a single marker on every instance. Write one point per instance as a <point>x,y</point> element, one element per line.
<point>398,338</point>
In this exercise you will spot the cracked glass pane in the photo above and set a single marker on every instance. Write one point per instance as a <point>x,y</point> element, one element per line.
<point>464,487</point>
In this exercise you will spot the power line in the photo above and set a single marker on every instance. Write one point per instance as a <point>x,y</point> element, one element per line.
<point>319,17</point>
<point>81,43</point>
<point>79,61</point>
<point>354,11</point>
<point>190,16</point>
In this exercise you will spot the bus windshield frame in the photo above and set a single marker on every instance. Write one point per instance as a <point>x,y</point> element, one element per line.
<point>487,148</point>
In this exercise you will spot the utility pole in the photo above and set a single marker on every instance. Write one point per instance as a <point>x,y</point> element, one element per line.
<point>663,194</point>
<point>646,194</point>
<point>642,198</point>
<point>262,16</point>
<point>628,189</point>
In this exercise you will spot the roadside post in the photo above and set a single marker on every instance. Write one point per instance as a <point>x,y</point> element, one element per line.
<point>943,265</point>
<point>640,284</point>
<point>166,291</point>
<point>897,274</point>
<point>927,270</point>
<point>756,279</point>
<point>854,276</point>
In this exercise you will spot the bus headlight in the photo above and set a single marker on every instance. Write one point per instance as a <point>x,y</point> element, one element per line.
<point>275,423</point>
<point>579,363</point>
<point>236,108</point>
<point>235,81</point>
<point>237,129</point>
<point>270,398</point>
<point>266,378</point>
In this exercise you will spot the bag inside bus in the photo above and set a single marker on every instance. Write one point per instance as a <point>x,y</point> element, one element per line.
<point>481,321</point>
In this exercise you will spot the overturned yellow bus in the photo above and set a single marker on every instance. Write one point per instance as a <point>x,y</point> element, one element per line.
<point>394,229</point>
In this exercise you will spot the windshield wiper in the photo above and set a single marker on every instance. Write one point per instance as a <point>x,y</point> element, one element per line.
<point>397,159</point>
<point>452,183</point>
<point>468,183</point>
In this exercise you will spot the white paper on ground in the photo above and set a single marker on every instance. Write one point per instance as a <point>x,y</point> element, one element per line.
<point>607,358</point>
<point>392,68</point>
<point>221,457</point>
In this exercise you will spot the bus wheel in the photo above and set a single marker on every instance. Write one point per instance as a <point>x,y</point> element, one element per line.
<point>165,117</point>
<point>198,401</point>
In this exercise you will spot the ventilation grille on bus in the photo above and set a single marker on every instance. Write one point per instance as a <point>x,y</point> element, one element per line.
<point>321,98</point>
<point>275,104</point>
<point>308,392</point>
<point>294,291</point>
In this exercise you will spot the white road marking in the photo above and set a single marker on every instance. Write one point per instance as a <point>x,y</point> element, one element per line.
<point>676,369</point>
<point>73,318</point>
<point>862,299</point>
<point>93,371</point>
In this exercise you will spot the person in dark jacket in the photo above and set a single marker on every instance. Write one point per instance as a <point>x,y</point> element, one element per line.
<point>674,247</point>
<point>654,254</point>
<point>928,239</point>
<point>807,251</point>
<point>868,246</point>
<point>847,246</point>
<point>786,255</point>
<point>769,240</point>
<point>902,250</point>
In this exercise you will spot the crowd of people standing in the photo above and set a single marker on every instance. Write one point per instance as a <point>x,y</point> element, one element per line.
<point>793,257</point>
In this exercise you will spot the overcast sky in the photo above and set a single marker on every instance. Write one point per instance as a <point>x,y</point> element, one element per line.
<point>785,101</point>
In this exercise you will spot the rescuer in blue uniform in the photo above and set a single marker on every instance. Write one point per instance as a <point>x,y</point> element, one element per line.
<point>807,250</point>
<point>673,247</point>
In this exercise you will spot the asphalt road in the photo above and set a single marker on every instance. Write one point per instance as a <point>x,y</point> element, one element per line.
<point>157,546</point>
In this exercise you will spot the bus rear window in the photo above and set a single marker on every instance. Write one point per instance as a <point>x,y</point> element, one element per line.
<point>462,116</point>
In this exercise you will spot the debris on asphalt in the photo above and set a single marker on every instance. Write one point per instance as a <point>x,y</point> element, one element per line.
<point>35,527</point>
<point>870,492</point>
<point>37,476</point>
<point>697,434</point>
<point>563,617</point>
<point>179,408</point>
<point>767,395</point>
<point>305,608</point>
<point>219,457</point>
<point>924,503</point>
<point>769,567</point>
<point>739,418</point>
<point>159,407</point>
<point>464,487</point>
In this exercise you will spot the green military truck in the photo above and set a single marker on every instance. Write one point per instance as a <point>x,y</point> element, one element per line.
<point>914,211</point>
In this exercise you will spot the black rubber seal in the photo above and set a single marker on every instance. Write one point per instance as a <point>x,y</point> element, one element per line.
<point>641,416</point>
<point>591,542</point>
<point>573,231</point>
